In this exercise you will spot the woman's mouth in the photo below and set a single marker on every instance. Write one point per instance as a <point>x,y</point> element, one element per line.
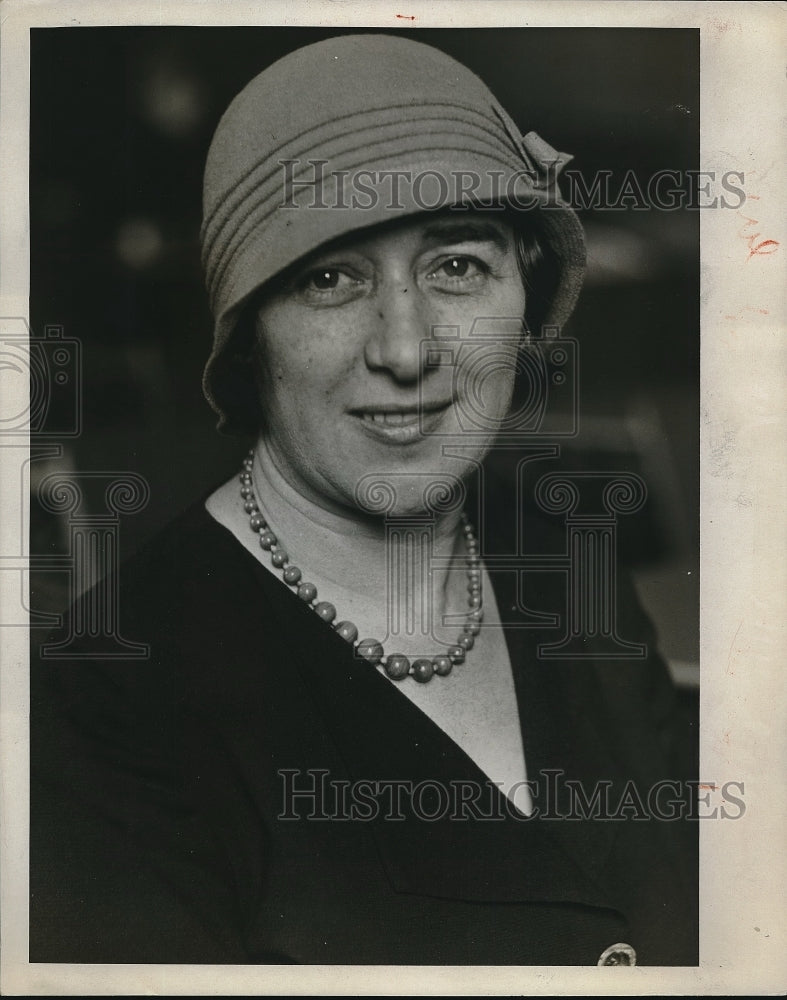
<point>401,425</point>
<point>391,419</point>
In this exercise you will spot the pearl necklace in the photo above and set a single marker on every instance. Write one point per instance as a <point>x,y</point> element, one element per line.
<point>396,666</point>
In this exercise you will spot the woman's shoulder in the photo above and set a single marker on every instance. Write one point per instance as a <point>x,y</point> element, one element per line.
<point>191,539</point>
<point>192,563</point>
<point>183,591</point>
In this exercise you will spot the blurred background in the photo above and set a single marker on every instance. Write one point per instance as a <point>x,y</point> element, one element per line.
<point>121,120</point>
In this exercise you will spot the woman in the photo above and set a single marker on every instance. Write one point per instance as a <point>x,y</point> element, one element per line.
<point>345,746</point>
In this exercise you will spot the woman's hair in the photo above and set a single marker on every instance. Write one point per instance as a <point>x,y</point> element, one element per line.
<point>237,383</point>
<point>540,273</point>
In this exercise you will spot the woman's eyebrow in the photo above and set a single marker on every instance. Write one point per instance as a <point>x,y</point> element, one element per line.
<point>461,231</point>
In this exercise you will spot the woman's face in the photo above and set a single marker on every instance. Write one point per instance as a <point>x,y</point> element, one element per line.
<point>363,357</point>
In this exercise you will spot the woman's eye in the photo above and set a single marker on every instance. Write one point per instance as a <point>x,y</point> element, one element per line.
<point>458,273</point>
<point>456,267</point>
<point>323,280</point>
<point>327,284</point>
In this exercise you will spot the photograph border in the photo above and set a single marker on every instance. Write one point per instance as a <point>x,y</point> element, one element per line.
<point>742,443</point>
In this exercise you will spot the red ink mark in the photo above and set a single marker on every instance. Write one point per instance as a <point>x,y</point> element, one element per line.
<point>406,17</point>
<point>762,249</point>
<point>762,312</point>
<point>765,243</point>
<point>711,788</point>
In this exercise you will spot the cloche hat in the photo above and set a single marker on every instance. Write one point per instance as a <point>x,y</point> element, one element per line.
<point>351,132</point>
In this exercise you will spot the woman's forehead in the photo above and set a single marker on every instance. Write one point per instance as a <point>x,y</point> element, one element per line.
<point>428,228</point>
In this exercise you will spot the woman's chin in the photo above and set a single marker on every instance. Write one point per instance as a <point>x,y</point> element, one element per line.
<point>428,490</point>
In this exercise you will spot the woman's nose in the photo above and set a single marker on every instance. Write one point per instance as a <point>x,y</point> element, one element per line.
<point>398,326</point>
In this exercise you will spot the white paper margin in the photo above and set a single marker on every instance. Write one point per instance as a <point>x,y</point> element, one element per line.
<point>744,583</point>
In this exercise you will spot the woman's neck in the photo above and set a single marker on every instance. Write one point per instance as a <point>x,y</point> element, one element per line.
<point>348,548</point>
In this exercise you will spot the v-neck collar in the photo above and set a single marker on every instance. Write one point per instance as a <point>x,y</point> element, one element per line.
<point>382,737</point>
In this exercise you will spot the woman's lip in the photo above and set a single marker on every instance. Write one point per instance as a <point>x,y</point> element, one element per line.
<point>412,408</point>
<point>400,425</point>
<point>398,418</point>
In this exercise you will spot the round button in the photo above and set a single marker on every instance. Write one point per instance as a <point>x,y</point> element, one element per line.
<point>618,954</point>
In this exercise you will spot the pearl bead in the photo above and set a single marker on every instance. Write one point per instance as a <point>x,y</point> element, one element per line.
<point>442,665</point>
<point>397,666</point>
<point>267,539</point>
<point>326,611</point>
<point>307,592</point>
<point>347,631</point>
<point>423,671</point>
<point>371,650</point>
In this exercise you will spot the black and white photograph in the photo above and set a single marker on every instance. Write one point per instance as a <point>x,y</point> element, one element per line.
<point>359,557</point>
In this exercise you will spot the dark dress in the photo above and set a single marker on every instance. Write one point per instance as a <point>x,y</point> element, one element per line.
<point>160,831</point>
